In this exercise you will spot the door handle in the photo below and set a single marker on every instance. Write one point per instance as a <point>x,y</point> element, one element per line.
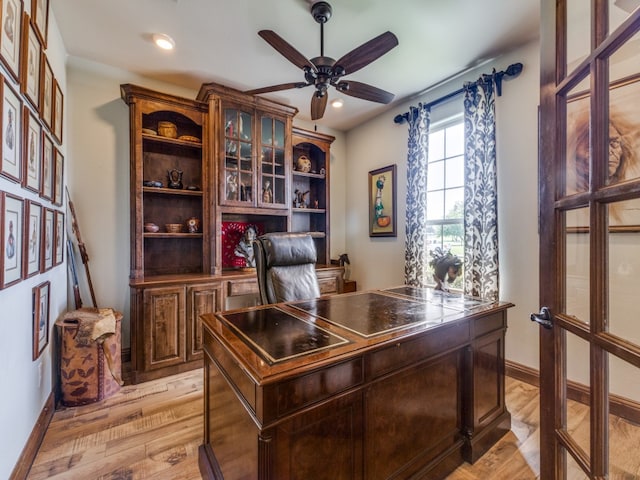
<point>543,318</point>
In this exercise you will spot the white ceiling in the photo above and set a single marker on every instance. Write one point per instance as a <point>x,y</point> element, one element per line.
<point>217,41</point>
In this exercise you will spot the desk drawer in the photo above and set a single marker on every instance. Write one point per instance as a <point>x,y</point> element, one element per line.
<point>242,287</point>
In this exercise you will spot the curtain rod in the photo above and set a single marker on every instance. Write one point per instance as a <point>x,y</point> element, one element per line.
<point>512,70</point>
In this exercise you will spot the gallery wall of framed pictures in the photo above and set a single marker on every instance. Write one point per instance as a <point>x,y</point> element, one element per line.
<point>32,222</point>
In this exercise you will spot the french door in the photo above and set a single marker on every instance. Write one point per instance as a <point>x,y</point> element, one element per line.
<point>589,193</point>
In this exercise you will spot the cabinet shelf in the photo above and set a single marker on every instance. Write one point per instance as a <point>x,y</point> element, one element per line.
<point>321,176</point>
<point>172,141</point>
<point>172,191</point>
<point>309,210</point>
<point>172,235</point>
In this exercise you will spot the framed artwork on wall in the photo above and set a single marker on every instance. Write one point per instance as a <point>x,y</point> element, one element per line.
<point>57,111</point>
<point>58,177</point>
<point>31,151</point>
<point>11,230</point>
<point>382,202</point>
<point>30,69</point>
<point>46,91</point>
<point>48,229</point>
<point>33,238</point>
<point>10,35</point>
<point>10,134</point>
<point>59,243</point>
<point>40,305</point>
<point>40,19</point>
<point>46,189</point>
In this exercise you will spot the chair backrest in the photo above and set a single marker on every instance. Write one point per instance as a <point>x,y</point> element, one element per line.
<point>285,265</point>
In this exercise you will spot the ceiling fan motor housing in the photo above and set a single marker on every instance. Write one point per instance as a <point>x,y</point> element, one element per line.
<point>321,12</point>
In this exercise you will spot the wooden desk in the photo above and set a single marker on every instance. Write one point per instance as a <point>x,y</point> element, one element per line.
<point>401,383</point>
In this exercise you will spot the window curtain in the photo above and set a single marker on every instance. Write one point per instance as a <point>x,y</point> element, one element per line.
<point>480,192</point>
<point>416,251</point>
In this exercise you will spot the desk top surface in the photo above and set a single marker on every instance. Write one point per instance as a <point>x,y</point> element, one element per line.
<point>333,324</point>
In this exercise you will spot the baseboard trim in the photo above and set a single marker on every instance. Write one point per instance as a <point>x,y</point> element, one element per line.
<point>30,450</point>
<point>620,406</point>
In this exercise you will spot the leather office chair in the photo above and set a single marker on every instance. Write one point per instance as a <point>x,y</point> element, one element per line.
<point>285,265</point>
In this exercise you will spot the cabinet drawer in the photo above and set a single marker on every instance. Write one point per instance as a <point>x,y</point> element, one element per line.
<point>328,285</point>
<point>242,287</point>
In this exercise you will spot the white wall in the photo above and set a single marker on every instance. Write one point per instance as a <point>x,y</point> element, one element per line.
<point>26,384</point>
<point>379,262</point>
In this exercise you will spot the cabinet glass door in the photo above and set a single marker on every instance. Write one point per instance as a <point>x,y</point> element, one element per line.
<point>238,156</point>
<point>273,185</point>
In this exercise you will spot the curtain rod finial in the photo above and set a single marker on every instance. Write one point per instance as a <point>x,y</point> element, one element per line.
<point>401,118</point>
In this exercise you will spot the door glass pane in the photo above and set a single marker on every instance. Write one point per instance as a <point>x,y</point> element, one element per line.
<point>278,140</point>
<point>267,130</point>
<point>624,430</point>
<point>578,411</point>
<point>578,32</point>
<point>624,267</point>
<point>577,264</point>
<point>619,11</point>
<point>574,472</point>
<point>245,126</point>
<point>578,108</point>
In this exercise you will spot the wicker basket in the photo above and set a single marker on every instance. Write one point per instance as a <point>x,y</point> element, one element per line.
<point>173,227</point>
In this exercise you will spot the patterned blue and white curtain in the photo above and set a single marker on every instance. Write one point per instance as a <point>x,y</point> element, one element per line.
<point>480,191</point>
<point>416,251</point>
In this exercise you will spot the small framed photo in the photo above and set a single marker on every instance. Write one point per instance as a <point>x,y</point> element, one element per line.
<point>33,238</point>
<point>10,134</point>
<point>58,177</point>
<point>40,19</point>
<point>48,229</point>
<point>11,33</point>
<point>46,185</point>
<point>30,68</point>
<point>11,231</point>
<point>46,91</point>
<point>58,99</point>
<point>382,202</point>
<point>59,243</point>
<point>31,151</point>
<point>40,304</point>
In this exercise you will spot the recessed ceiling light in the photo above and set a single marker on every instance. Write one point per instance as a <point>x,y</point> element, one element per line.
<point>164,41</point>
<point>337,103</point>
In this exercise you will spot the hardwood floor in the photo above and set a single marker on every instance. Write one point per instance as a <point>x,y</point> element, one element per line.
<point>153,430</point>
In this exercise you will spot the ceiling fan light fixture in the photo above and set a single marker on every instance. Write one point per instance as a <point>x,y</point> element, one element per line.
<point>337,103</point>
<point>164,41</point>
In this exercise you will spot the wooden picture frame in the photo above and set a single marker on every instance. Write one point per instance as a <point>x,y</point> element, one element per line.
<point>31,56</point>
<point>58,110</point>
<point>11,231</point>
<point>46,91</point>
<point>382,202</point>
<point>59,240</point>
<point>48,229</point>
<point>33,238</point>
<point>11,35</point>
<point>46,187</point>
<point>10,135</point>
<point>40,19</point>
<point>58,177</point>
<point>31,151</point>
<point>40,305</point>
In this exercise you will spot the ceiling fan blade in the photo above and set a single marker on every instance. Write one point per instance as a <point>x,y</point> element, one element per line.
<point>277,88</point>
<point>367,53</point>
<point>318,105</point>
<point>286,49</point>
<point>364,91</point>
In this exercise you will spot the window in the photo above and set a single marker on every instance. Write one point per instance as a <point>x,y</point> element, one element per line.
<point>445,191</point>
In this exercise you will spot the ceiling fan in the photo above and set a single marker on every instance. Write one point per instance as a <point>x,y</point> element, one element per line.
<point>323,71</point>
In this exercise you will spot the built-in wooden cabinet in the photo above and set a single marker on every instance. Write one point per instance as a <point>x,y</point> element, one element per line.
<point>225,160</point>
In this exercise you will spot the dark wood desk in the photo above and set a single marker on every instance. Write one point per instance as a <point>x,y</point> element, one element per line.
<point>401,383</point>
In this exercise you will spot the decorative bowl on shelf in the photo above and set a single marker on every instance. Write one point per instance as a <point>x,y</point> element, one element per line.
<point>189,138</point>
<point>151,227</point>
<point>167,129</point>
<point>149,131</point>
<point>173,227</point>
<point>303,164</point>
